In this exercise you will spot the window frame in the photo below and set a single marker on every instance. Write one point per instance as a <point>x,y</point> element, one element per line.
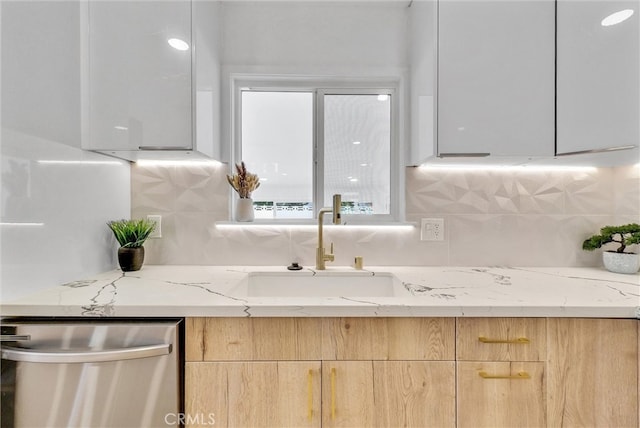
<point>320,87</point>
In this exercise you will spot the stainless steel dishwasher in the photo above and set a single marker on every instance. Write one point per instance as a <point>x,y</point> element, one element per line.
<point>102,373</point>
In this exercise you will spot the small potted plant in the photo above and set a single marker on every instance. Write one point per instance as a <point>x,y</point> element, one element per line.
<point>244,183</point>
<point>131,235</point>
<point>619,261</point>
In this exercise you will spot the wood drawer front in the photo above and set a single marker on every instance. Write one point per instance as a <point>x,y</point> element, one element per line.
<point>388,339</point>
<point>253,339</point>
<point>470,347</point>
<point>500,401</point>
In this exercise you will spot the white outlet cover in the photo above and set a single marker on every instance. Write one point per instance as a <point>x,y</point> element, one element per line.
<point>157,233</point>
<point>432,229</point>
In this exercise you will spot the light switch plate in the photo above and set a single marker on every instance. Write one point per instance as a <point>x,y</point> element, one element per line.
<point>432,229</point>
<point>157,232</point>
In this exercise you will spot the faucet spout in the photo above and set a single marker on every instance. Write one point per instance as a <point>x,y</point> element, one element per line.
<point>321,255</point>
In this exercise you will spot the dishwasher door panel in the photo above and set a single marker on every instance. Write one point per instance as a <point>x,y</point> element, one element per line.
<point>131,376</point>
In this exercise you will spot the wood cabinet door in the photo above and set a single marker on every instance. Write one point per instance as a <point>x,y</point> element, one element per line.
<point>592,372</point>
<point>363,394</point>
<point>253,394</point>
<point>501,394</point>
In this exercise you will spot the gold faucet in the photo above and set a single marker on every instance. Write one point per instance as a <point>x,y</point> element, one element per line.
<point>321,256</point>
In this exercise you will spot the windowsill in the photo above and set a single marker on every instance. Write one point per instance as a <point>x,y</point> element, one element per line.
<point>312,224</point>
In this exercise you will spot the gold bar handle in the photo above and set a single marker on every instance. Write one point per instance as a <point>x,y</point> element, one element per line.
<point>519,340</point>
<point>520,375</point>
<point>310,394</point>
<point>333,393</point>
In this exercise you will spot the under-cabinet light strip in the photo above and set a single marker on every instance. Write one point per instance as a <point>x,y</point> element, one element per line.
<point>79,162</point>
<point>210,163</point>
<point>513,168</point>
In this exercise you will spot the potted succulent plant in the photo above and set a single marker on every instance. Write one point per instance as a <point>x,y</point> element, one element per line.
<point>619,261</point>
<point>244,183</point>
<point>131,235</point>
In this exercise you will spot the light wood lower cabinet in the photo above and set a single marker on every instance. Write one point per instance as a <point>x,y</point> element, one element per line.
<point>501,372</point>
<point>412,372</point>
<point>330,372</point>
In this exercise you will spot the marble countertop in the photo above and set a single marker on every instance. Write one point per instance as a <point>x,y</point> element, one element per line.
<point>161,291</point>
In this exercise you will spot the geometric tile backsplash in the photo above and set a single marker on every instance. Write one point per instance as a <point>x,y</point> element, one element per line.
<point>492,218</point>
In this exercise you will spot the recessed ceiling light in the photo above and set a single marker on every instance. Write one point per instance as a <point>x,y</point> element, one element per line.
<point>353,180</point>
<point>356,142</point>
<point>383,97</point>
<point>178,44</point>
<point>617,17</point>
<point>364,164</point>
<point>121,128</point>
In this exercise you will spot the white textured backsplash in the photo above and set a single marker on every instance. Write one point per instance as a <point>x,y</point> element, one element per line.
<point>511,217</point>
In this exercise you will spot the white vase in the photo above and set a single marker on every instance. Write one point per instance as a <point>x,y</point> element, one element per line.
<point>244,209</point>
<point>621,262</point>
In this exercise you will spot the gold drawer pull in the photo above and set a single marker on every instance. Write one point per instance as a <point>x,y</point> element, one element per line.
<point>519,340</point>
<point>310,394</point>
<point>520,375</point>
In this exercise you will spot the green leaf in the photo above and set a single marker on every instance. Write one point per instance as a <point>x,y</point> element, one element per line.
<point>624,235</point>
<point>131,233</point>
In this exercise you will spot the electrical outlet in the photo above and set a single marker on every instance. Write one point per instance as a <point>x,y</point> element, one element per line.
<point>157,232</point>
<point>432,229</point>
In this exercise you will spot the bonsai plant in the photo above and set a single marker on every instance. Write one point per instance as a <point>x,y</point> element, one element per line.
<point>244,183</point>
<point>618,261</point>
<point>131,235</point>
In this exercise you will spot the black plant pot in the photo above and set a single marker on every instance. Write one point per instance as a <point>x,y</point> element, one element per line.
<point>130,259</point>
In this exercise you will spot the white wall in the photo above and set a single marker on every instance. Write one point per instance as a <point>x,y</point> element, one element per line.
<point>317,39</point>
<point>64,204</point>
<point>315,34</point>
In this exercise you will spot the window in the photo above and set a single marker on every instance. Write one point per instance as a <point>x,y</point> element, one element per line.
<point>307,144</point>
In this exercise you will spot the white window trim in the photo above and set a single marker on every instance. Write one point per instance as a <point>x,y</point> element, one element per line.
<point>327,85</point>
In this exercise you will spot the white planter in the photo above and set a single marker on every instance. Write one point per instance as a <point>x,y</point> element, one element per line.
<point>621,262</point>
<point>244,209</point>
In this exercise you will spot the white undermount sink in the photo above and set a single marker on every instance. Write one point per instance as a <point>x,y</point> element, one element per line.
<point>320,284</point>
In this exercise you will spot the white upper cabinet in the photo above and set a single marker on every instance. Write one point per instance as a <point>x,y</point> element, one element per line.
<point>495,90</point>
<point>598,77</point>
<point>142,86</point>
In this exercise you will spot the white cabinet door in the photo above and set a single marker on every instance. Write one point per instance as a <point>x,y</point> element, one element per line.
<point>139,85</point>
<point>598,77</point>
<point>496,78</point>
